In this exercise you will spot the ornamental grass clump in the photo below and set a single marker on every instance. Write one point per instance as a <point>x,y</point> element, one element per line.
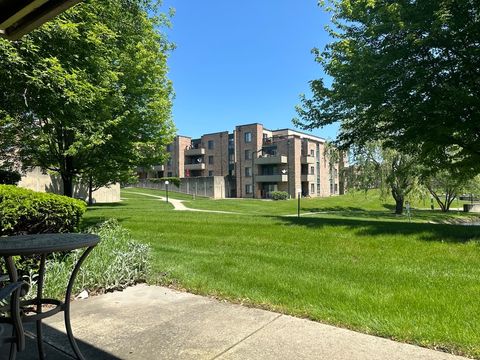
<point>115,263</point>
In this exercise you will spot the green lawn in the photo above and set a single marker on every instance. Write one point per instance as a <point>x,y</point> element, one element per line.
<point>379,274</point>
<point>358,205</point>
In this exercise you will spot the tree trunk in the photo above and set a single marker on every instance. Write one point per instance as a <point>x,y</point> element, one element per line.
<point>90,190</point>
<point>67,174</point>
<point>441,204</point>
<point>399,205</point>
<point>399,199</point>
<point>67,185</point>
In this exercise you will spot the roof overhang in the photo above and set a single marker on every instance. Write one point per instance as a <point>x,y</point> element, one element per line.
<point>19,17</point>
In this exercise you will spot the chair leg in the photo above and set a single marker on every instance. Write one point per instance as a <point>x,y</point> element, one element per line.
<point>41,279</point>
<point>13,349</point>
<point>15,310</point>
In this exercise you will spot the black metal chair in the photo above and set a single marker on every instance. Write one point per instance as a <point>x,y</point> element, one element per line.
<point>13,291</point>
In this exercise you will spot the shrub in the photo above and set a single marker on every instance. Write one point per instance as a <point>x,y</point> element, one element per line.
<point>279,195</point>
<point>25,211</point>
<point>9,177</point>
<point>115,263</point>
<point>173,180</point>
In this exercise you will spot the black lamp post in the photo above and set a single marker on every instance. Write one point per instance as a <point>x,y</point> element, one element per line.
<point>166,188</point>
<point>254,153</point>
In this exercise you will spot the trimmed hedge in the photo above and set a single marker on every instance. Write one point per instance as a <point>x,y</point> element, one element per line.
<point>279,195</point>
<point>173,180</point>
<point>25,211</point>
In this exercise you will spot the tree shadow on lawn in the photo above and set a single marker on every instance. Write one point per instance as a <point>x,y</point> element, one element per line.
<point>349,211</point>
<point>332,208</point>
<point>106,205</point>
<point>390,207</point>
<point>426,232</point>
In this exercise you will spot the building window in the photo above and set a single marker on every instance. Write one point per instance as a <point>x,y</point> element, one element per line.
<point>231,157</point>
<point>248,137</point>
<point>312,170</point>
<point>169,148</point>
<point>248,189</point>
<point>312,152</point>
<point>248,171</point>
<point>211,144</point>
<point>210,159</point>
<point>210,173</point>
<point>248,155</point>
<point>312,188</point>
<point>318,189</point>
<point>169,174</point>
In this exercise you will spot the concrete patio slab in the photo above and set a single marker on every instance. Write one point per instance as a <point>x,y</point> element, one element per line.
<point>151,322</point>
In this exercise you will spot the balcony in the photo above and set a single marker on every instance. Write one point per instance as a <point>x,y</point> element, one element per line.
<point>309,178</point>
<point>271,178</point>
<point>158,167</point>
<point>308,159</point>
<point>195,151</point>
<point>271,159</point>
<point>198,166</point>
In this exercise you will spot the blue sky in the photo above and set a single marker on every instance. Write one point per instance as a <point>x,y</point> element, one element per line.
<point>240,62</point>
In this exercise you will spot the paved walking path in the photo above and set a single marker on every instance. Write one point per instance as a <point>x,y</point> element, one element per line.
<point>179,205</point>
<point>153,323</point>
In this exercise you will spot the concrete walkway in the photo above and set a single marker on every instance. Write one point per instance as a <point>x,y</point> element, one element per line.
<point>179,204</point>
<point>152,323</point>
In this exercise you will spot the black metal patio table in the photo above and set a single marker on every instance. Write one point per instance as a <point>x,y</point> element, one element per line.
<point>42,245</point>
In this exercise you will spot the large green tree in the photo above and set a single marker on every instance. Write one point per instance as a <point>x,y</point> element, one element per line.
<point>393,172</point>
<point>87,94</point>
<point>447,185</point>
<point>405,72</point>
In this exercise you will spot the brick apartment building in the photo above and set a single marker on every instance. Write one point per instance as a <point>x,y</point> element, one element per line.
<point>256,161</point>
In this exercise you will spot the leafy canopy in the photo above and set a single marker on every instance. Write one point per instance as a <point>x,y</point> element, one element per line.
<point>405,72</point>
<point>87,94</point>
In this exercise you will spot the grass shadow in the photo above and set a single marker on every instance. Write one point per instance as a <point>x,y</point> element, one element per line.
<point>107,205</point>
<point>390,207</point>
<point>424,231</point>
<point>56,346</point>
<point>332,209</point>
<point>94,220</point>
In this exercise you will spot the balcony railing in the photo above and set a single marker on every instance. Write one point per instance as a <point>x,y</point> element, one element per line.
<point>197,166</point>
<point>271,159</point>
<point>308,177</point>
<point>158,167</point>
<point>194,151</point>
<point>271,178</point>
<point>308,159</point>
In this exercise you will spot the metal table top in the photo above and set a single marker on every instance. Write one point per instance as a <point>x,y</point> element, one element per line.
<point>45,243</point>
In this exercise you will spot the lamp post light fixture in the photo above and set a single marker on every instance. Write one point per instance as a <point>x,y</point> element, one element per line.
<point>166,188</point>
<point>285,172</point>
<point>254,153</point>
<point>299,194</point>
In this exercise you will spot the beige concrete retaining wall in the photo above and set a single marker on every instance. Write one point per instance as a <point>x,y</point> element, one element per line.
<point>475,208</point>
<point>37,180</point>
<point>217,187</point>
